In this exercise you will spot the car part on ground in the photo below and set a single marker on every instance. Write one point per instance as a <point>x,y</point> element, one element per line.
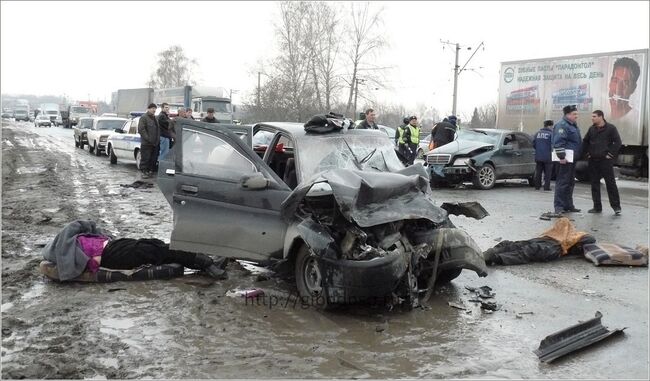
<point>573,338</point>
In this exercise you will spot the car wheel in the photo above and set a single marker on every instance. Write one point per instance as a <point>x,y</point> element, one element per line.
<point>81,144</point>
<point>447,276</point>
<point>98,151</point>
<point>91,149</point>
<point>309,279</point>
<point>531,181</point>
<point>76,143</point>
<point>138,158</point>
<point>485,178</point>
<point>110,152</point>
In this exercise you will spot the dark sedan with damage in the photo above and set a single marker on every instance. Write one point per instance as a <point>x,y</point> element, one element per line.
<point>482,156</point>
<point>338,209</point>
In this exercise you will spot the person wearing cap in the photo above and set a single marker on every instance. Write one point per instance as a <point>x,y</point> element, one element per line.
<point>601,145</point>
<point>149,131</point>
<point>566,144</point>
<point>210,117</point>
<point>402,148</point>
<point>542,145</point>
<point>411,138</point>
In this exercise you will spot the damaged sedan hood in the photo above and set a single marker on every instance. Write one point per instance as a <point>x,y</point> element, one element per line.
<point>461,147</point>
<point>374,198</point>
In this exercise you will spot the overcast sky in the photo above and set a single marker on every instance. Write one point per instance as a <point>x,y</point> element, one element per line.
<point>91,49</point>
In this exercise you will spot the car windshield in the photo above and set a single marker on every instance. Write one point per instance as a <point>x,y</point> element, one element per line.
<point>347,151</point>
<point>490,137</point>
<point>85,123</point>
<point>81,110</point>
<point>218,106</point>
<point>109,124</point>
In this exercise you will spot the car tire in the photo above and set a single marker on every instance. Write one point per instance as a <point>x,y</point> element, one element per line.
<point>309,280</point>
<point>138,158</point>
<point>531,181</point>
<point>98,151</point>
<point>111,154</point>
<point>90,148</point>
<point>447,276</point>
<point>76,143</point>
<point>81,144</point>
<point>485,178</point>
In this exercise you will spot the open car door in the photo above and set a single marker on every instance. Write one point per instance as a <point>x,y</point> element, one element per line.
<point>226,200</point>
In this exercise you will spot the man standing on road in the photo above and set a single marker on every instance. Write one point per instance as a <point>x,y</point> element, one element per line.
<point>601,145</point>
<point>444,132</point>
<point>188,113</point>
<point>566,143</point>
<point>210,117</point>
<point>542,145</point>
<point>369,123</point>
<point>150,140</point>
<point>165,130</point>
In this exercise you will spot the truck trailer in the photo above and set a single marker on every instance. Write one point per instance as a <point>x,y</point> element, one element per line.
<point>200,99</point>
<point>531,91</point>
<point>126,101</point>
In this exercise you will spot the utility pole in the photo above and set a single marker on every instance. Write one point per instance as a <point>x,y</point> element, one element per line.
<point>356,93</point>
<point>457,71</point>
<point>259,75</point>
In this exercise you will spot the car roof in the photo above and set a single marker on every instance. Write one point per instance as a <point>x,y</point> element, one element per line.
<point>99,118</point>
<point>501,131</point>
<point>297,130</point>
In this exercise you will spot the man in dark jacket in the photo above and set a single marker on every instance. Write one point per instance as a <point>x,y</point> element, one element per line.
<point>444,132</point>
<point>542,144</point>
<point>165,130</point>
<point>149,141</point>
<point>601,145</point>
<point>210,117</point>
<point>566,144</point>
<point>369,123</point>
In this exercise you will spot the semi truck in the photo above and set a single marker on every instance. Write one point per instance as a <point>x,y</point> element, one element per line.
<point>531,91</point>
<point>126,101</point>
<point>21,110</point>
<point>200,99</point>
<point>52,111</point>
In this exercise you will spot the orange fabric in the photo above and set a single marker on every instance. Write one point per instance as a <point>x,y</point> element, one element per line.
<point>565,233</point>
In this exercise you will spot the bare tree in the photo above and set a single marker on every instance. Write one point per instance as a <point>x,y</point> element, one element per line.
<point>487,115</point>
<point>325,48</point>
<point>173,69</point>
<point>366,38</point>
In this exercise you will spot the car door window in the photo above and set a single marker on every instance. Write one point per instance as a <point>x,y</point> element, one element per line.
<point>210,156</point>
<point>523,141</point>
<point>134,127</point>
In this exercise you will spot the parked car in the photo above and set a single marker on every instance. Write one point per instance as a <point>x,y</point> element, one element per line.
<point>338,210</point>
<point>42,120</point>
<point>125,143</point>
<point>101,129</point>
<point>389,131</point>
<point>483,156</point>
<point>80,131</point>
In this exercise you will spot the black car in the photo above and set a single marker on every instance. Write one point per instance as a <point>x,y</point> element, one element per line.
<point>482,156</point>
<point>339,209</point>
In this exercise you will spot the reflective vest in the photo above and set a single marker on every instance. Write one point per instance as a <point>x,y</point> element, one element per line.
<point>401,135</point>
<point>415,134</point>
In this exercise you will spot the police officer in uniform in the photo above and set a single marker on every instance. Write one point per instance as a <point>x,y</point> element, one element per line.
<point>566,136</point>
<point>412,138</point>
<point>542,145</point>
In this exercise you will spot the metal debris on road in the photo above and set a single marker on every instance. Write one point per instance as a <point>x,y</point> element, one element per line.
<point>573,338</point>
<point>484,292</point>
<point>460,306</point>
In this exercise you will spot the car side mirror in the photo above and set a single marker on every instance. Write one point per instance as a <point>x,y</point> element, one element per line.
<point>254,182</point>
<point>119,131</point>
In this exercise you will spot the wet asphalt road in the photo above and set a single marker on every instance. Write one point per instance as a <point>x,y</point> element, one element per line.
<point>192,327</point>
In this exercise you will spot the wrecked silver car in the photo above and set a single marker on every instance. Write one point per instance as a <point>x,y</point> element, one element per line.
<point>339,208</point>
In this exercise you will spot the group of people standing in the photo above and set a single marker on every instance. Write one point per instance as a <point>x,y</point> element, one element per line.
<point>561,143</point>
<point>157,134</point>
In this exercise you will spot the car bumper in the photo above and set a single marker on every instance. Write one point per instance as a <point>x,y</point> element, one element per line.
<point>44,123</point>
<point>451,173</point>
<point>352,281</point>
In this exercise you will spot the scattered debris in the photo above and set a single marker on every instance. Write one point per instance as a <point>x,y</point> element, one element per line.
<point>589,292</point>
<point>6,332</point>
<point>116,289</point>
<point>548,215</point>
<point>489,306</point>
<point>460,306</point>
<point>138,185</point>
<point>262,277</point>
<point>519,315</point>
<point>147,213</point>
<point>469,209</point>
<point>573,338</point>
<point>252,293</point>
<point>484,292</point>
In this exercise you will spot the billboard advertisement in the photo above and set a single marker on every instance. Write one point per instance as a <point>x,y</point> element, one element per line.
<point>535,90</point>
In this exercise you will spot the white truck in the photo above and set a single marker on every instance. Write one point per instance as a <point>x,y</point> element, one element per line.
<point>200,99</point>
<point>126,101</point>
<point>52,111</point>
<point>21,110</point>
<point>532,91</point>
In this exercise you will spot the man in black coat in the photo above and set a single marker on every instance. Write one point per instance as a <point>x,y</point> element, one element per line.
<point>600,145</point>
<point>165,130</point>
<point>149,141</point>
<point>369,123</point>
<point>444,132</point>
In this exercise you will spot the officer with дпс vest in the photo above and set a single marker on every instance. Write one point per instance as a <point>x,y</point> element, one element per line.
<point>411,138</point>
